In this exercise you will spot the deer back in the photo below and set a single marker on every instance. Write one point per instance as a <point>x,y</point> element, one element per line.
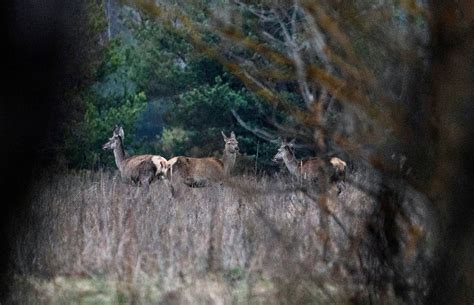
<point>196,168</point>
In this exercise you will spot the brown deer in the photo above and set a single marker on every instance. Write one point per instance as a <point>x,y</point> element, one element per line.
<point>312,168</point>
<point>199,172</point>
<point>139,170</point>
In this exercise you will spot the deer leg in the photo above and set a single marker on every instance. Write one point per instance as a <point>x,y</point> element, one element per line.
<point>170,186</point>
<point>136,182</point>
<point>150,178</point>
<point>173,191</point>
<point>190,182</point>
<point>145,183</point>
<point>178,190</point>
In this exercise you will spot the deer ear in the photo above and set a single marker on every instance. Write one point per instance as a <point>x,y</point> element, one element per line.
<point>232,135</point>
<point>292,143</point>
<point>121,133</point>
<point>223,134</point>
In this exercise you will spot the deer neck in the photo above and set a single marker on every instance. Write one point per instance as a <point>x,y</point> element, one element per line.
<point>229,161</point>
<point>291,163</point>
<point>119,155</point>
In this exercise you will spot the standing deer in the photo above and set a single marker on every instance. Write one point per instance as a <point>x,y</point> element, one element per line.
<point>139,170</point>
<point>311,168</point>
<point>199,172</point>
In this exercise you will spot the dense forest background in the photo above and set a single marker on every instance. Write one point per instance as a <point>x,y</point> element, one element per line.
<point>176,79</point>
<point>170,96</point>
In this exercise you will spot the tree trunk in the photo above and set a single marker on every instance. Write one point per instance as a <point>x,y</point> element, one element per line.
<point>452,90</point>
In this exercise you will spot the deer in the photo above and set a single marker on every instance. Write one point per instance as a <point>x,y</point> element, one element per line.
<point>138,170</point>
<point>311,169</point>
<point>201,172</point>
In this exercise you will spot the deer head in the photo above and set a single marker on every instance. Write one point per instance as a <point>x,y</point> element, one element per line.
<point>117,137</point>
<point>285,150</point>
<point>231,143</point>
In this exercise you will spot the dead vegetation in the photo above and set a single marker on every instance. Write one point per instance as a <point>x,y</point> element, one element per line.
<point>268,240</point>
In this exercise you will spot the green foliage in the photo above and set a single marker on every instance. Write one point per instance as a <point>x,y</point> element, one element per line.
<point>171,99</point>
<point>161,60</point>
<point>96,128</point>
<point>202,113</point>
<point>96,120</point>
<point>208,105</point>
<point>174,141</point>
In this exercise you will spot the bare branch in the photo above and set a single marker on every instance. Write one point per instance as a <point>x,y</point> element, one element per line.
<point>294,51</point>
<point>260,133</point>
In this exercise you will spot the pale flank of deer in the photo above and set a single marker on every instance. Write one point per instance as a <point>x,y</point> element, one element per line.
<point>161,165</point>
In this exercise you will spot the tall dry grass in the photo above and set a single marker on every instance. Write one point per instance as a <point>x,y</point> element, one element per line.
<point>91,239</point>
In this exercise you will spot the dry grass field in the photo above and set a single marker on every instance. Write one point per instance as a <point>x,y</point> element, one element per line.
<point>90,239</point>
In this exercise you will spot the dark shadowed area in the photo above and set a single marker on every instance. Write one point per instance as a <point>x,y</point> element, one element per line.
<point>38,50</point>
